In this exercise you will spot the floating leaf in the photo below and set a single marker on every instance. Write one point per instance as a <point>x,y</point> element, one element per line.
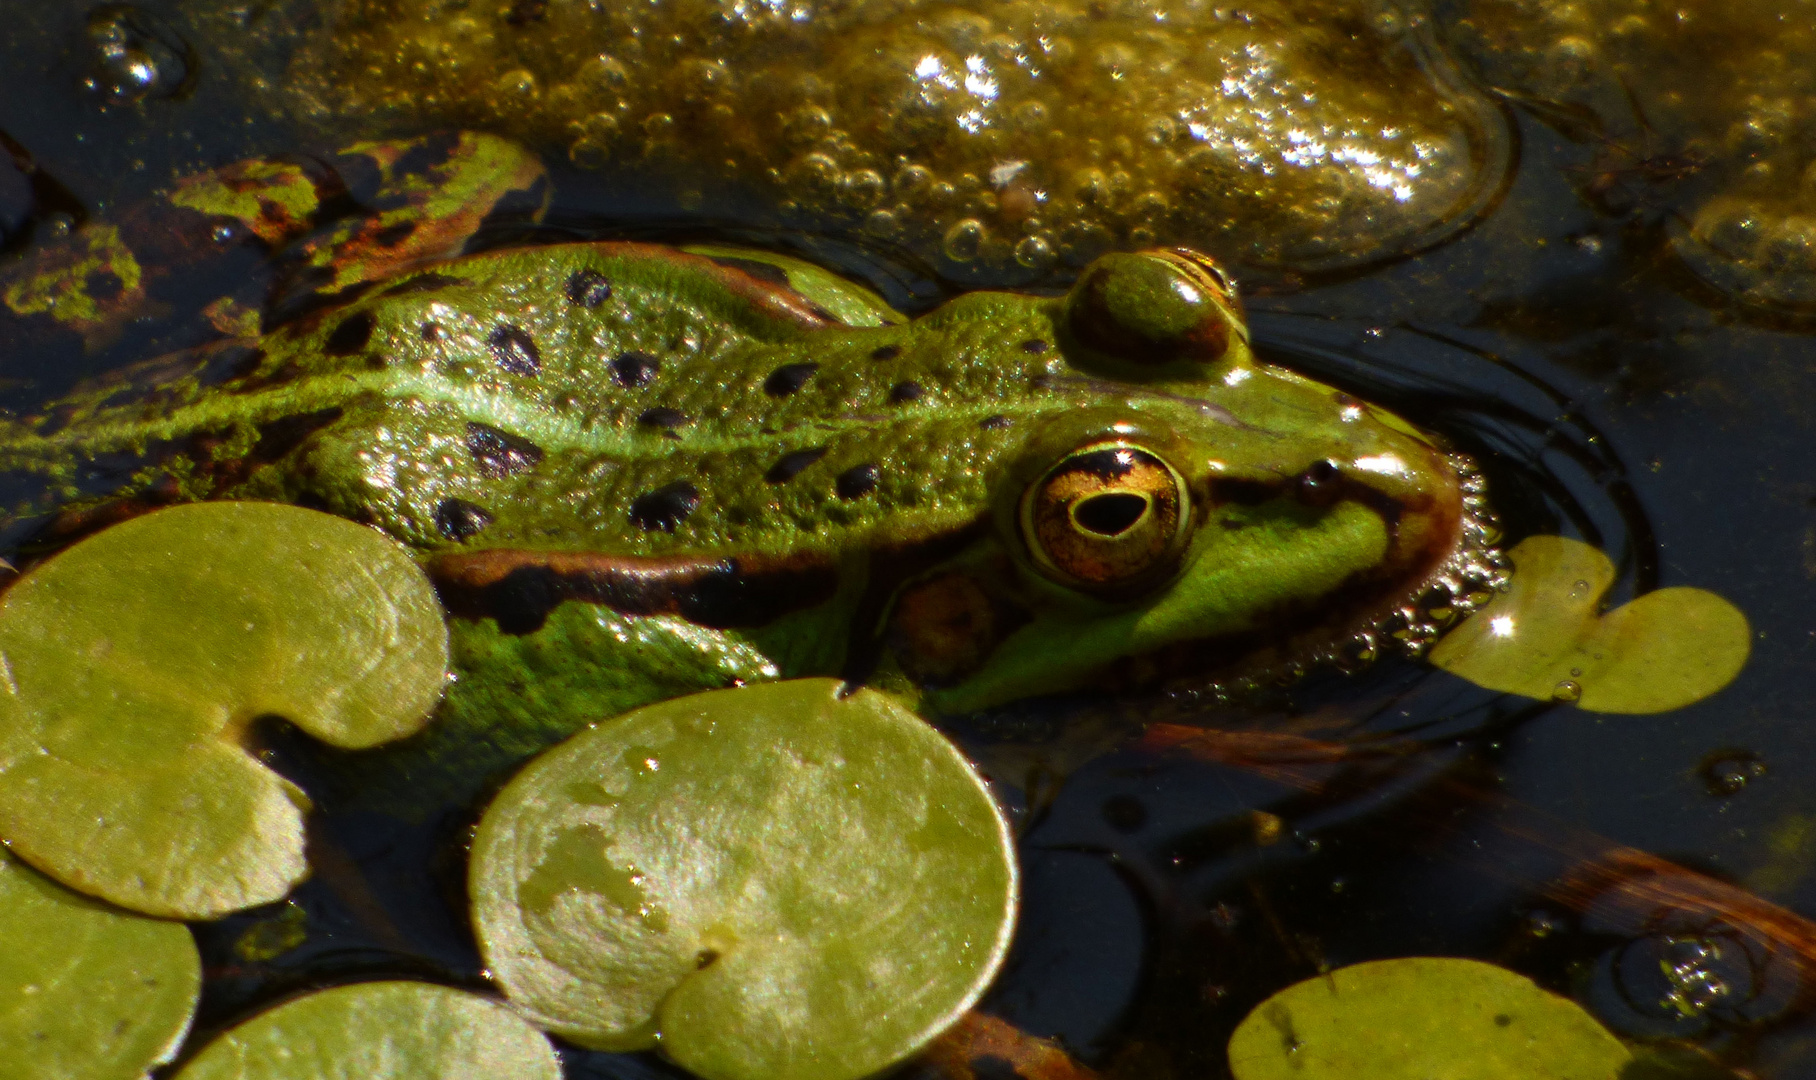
<point>85,990</point>
<point>380,1031</point>
<point>774,881</point>
<point>1423,1016</point>
<point>131,664</point>
<point>1545,639</point>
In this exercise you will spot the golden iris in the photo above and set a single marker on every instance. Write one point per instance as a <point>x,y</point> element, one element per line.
<point>1108,518</point>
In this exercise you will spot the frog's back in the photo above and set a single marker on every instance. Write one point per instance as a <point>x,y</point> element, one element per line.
<point>605,397</point>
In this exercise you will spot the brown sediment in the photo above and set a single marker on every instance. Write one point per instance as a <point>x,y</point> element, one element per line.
<point>982,1047</point>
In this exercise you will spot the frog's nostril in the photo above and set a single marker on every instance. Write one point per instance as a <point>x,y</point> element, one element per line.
<point>1318,483</point>
<point>1111,514</point>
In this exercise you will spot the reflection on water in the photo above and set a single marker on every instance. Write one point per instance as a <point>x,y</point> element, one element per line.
<point>1608,395</point>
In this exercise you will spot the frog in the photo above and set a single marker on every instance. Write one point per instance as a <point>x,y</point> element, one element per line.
<point>634,471</point>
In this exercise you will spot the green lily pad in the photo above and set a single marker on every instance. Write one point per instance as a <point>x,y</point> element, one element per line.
<point>773,882</point>
<point>131,664</point>
<point>1422,1017</point>
<point>380,1031</point>
<point>85,990</point>
<point>1546,637</point>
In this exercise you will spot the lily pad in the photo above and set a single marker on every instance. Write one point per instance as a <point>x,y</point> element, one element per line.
<point>132,663</point>
<point>86,990</point>
<point>1420,1017</point>
<point>380,1031</point>
<point>773,882</point>
<point>1546,637</point>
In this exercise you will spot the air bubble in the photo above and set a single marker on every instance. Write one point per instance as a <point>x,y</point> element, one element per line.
<point>1031,116</point>
<point>1567,691</point>
<point>882,224</point>
<point>963,240</point>
<point>1727,772</point>
<point>863,188</point>
<point>815,177</point>
<point>913,182</point>
<point>1036,253</point>
<point>604,74</point>
<point>134,56</point>
<point>518,84</point>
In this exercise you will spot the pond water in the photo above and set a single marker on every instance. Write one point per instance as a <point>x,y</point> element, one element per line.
<point>1608,316</point>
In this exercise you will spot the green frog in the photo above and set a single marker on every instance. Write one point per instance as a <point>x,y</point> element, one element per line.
<point>637,471</point>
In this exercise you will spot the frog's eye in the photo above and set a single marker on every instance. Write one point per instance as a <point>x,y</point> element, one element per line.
<point>1109,518</point>
<point>1155,308</point>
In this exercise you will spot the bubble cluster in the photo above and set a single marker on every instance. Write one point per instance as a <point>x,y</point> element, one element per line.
<point>131,55</point>
<point>1004,142</point>
<point>1701,111</point>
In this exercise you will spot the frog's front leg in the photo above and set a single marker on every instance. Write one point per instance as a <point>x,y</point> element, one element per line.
<point>514,694</point>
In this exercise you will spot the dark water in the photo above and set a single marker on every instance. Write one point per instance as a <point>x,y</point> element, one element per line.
<point>1610,397</point>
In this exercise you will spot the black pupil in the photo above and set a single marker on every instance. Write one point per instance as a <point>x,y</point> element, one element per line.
<point>1111,514</point>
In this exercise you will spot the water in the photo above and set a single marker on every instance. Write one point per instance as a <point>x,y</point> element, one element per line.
<point>1609,394</point>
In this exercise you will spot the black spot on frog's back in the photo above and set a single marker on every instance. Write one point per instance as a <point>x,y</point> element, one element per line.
<point>392,235</point>
<point>857,481</point>
<point>425,154</point>
<point>498,454</point>
<point>788,378</point>
<point>351,335</point>
<point>790,465</point>
<point>665,507</point>
<point>515,351</point>
<point>279,437</point>
<point>458,519</point>
<point>634,369</point>
<point>588,288</point>
<point>662,418</point>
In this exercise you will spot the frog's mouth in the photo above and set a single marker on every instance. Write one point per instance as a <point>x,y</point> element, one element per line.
<point>1407,624</point>
<point>1348,623</point>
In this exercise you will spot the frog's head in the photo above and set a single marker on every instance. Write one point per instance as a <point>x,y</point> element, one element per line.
<point>1186,511</point>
